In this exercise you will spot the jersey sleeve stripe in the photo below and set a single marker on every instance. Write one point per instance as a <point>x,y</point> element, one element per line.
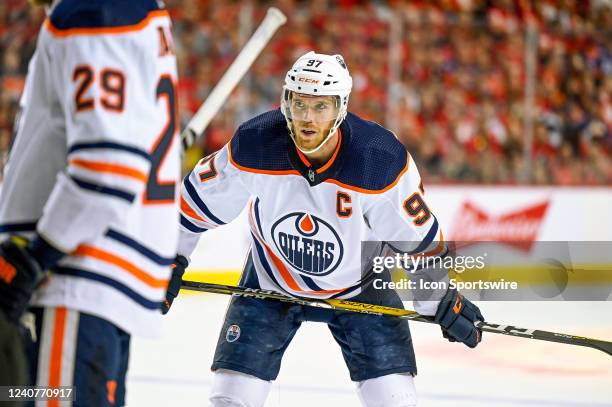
<point>117,193</point>
<point>255,222</point>
<point>107,145</point>
<point>68,32</point>
<point>18,227</point>
<point>439,248</point>
<point>257,218</point>
<point>116,169</point>
<point>140,248</point>
<point>424,244</point>
<point>188,210</point>
<point>431,234</point>
<point>190,226</point>
<point>105,256</point>
<point>133,295</point>
<point>191,191</point>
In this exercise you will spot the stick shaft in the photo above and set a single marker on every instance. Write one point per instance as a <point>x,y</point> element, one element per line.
<point>273,20</point>
<point>353,306</point>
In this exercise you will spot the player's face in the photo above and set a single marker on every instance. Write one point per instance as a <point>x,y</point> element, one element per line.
<point>312,116</point>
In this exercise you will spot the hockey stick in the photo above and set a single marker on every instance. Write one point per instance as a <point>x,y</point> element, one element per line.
<point>196,126</point>
<point>353,306</point>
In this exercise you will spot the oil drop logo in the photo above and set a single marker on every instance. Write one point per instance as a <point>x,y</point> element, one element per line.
<point>308,243</point>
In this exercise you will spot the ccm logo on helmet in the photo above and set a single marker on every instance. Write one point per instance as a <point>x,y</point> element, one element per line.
<point>308,80</point>
<point>308,243</point>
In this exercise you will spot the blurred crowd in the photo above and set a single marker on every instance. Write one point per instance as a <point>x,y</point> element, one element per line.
<point>448,76</point>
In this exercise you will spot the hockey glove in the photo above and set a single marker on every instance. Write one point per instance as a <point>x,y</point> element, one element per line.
<point>174,286</point>
<point>456,316</point>
<point>20,273</point>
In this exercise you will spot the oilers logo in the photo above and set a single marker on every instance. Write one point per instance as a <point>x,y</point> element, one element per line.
<point>308,243</point>
<point>233,333</point>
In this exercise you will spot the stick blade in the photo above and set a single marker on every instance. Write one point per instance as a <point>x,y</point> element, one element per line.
<point>603,346</point>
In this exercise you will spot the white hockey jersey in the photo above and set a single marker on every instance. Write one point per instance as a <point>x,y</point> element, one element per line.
<point>307,224</point>
<point>95,164</point>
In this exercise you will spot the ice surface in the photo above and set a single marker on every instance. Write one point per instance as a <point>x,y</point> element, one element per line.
<point>502,371</point>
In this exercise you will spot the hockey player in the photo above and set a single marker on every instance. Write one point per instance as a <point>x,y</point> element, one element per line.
<point>90,193</point>
<point>317,182</point>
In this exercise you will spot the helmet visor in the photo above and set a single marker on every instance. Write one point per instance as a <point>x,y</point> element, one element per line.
<point>309,108</point>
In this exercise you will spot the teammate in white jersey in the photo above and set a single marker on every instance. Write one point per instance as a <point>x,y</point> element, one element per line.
<point>318,181</point>
<point>90,192</point>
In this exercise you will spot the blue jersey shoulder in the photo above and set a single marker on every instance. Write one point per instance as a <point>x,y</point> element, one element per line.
<point>261,143</point>
<point>69,14</point>
<point>372,158</point>
<point>375,157</point>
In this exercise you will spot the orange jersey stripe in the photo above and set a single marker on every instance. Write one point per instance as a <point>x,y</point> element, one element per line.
<point>117,169</point>
<point>270,172</point>
<point>303,158</point>
<point>371,191</point>
<point>58,32</point>
<point>289,279</point>
<point>57,345</point>
<point>330,180</point>
<point>283,271</point>
<point>90,251</point>
<point>189,211</point>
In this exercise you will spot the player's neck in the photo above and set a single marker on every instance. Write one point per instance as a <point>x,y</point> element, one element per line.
<point>320,157</point>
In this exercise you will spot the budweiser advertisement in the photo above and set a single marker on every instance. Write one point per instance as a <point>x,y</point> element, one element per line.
<point>474,223</point>
<point>523,213</point>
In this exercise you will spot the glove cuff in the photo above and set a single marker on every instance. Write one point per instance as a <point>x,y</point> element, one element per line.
<point>181,260</point>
